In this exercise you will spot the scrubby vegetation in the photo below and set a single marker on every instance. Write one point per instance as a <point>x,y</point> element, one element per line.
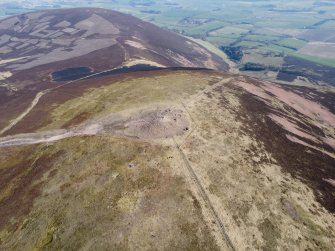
<point>112,191</point>
<point>258,67</point>
<point>234,53</point>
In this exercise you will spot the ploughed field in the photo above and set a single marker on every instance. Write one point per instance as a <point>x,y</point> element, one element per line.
<point>122,140</point>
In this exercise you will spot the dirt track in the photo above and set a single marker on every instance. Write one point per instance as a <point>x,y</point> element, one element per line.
<point>152,124</point>
<point>162,123</point>
<point>208,204</point>
<point>39,96</point>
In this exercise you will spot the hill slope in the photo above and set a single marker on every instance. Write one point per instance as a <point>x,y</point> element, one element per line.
<point>37,48</point>
<point>170,160</point>
<point>164,159</point>
<point>48,37</point>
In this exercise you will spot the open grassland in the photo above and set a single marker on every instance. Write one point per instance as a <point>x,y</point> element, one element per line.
<point>99,193</point>
<point>318,60</point>
<point>128,95</point>
<point>292,52</point>
<point>227,182</point>
<point>277,48</point>
<point>262,38</point>
<point>292,43</point>
<point>250,188</point>
<point>250,44</point>
<point>221,40</point>
<point>203,29</point>
<point>228,30</point>
<point>263,58</point>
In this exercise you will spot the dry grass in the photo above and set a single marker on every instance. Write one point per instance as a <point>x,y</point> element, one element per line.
<point>95,193</point>
<point>125,193</point>
<point>130,95</point>
<point>245,182</point>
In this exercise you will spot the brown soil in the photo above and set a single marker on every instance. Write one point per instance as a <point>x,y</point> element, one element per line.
<point>157,124</point>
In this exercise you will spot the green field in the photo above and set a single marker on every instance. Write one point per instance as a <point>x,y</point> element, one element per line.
<point>217,41</point>
<point>250,44</point>
<point>259,27</point>
<point>204,28</point>
<point>262,38</point>
<point>292,43</point>
<point>228,30</point>
<point>321,61</point>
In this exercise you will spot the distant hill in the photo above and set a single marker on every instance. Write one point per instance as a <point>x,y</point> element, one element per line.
<point>51,37</point>
<point>34,45</point>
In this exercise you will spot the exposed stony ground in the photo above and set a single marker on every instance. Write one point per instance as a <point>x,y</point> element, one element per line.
<point>179,160</point>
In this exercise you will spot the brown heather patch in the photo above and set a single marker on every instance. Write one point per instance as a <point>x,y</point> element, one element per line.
<point>308,165</point>
<point>20,181</point>
<point>327,99</point>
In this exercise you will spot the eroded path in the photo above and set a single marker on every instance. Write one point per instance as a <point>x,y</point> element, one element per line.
<point>40,94</point>
<point>34,103</point>
<point>22,115</point>
<point>208,209</point>
<point>141,124</point>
